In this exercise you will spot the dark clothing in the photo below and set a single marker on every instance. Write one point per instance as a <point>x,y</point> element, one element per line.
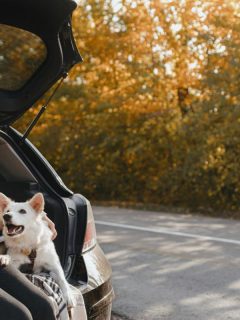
<point>20,299</point>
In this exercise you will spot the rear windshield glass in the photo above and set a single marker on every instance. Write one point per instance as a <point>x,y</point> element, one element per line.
<point>21,54</point>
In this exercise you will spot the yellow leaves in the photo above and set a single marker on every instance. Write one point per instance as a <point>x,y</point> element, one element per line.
<point>220,151</point>
<point>153,110</point>
<point>215,158</point>
<point>172,127</point>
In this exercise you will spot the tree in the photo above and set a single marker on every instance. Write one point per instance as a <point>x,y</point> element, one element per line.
<point>152,113</point>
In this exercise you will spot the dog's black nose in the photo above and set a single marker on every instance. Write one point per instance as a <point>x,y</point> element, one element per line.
<point>7,217</point>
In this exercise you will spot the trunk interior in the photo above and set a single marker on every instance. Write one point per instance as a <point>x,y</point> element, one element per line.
<point>18,183</point>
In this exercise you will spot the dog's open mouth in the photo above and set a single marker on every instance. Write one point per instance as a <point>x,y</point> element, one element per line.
<point>13,230</point>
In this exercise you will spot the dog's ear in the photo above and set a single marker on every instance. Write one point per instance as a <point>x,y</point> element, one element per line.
<point>37,202</point>
<point>4,202</point>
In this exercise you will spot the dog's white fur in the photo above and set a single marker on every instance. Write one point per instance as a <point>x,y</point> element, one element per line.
<point>36,235</point>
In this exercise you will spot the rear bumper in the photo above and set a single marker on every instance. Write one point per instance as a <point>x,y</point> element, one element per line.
<point>98,292</point>
<point>99,302</point>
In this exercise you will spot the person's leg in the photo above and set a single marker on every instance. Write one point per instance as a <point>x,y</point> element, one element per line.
<point>18,286</point>
<point>12,309</point>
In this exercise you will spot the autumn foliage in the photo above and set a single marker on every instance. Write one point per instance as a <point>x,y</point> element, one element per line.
<point>152,115</point>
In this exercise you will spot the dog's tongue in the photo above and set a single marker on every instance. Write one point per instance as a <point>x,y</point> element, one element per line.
<point>12,229</point>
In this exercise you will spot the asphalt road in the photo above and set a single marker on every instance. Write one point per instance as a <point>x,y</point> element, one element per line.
<point>167,266</point>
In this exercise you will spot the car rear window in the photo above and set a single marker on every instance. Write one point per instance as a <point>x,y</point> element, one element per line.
<point>21,54</point>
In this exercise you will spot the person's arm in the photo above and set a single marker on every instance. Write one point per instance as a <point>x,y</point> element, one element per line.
<point>51,226</point>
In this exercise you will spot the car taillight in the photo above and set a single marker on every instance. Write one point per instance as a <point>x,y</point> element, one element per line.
<point>90,238</point>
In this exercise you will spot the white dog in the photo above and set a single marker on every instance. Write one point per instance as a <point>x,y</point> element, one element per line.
<point>25,232</point>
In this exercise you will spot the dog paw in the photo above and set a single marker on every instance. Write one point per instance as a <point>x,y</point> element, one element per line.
<point>69,299</point>
<point>4,260</point>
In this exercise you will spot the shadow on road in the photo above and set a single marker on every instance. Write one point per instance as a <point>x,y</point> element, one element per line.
<point>158,276</point>
<point>117,317</point>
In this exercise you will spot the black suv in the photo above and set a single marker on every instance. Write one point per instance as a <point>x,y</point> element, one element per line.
<point>37,50</point>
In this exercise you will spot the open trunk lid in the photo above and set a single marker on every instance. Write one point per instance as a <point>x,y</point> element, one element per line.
<point>36,49</point>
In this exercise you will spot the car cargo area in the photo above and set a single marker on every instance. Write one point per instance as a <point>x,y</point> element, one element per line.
<point>18,183</point>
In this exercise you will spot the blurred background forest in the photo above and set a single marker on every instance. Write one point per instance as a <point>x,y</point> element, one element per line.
<point>152,115</point>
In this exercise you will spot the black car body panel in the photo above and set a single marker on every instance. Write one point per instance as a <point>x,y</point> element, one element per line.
<point>40,163</point>
<point>51,22</point>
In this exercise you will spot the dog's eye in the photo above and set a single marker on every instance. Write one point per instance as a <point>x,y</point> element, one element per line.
<point>22,211</point>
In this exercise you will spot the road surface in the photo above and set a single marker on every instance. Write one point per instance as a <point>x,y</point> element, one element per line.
<point>168,266</point>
